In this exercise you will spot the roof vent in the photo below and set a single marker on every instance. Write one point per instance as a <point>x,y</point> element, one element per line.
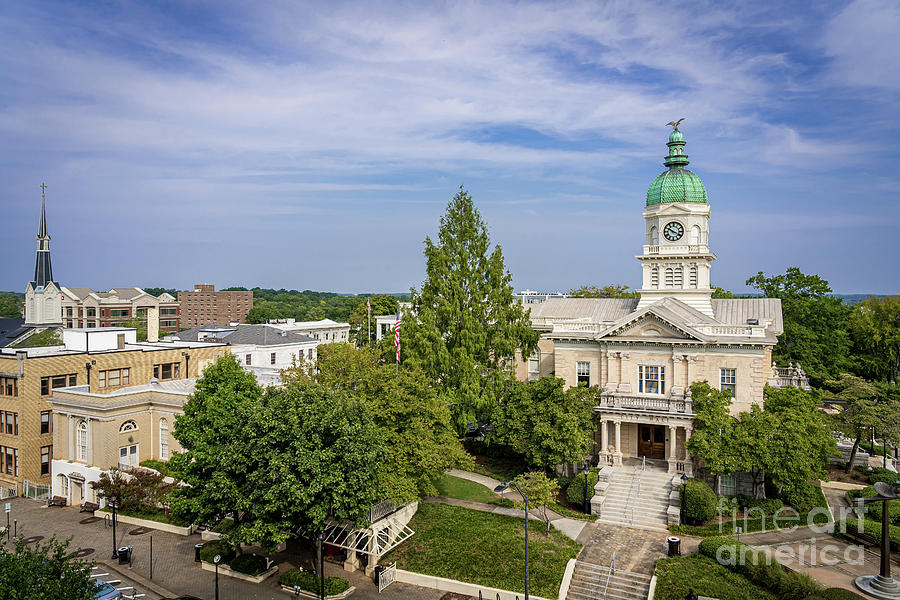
<point>154,380</point>
<point>752,321</point>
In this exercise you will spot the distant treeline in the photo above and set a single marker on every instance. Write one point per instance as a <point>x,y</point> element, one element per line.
<point>309,305</point>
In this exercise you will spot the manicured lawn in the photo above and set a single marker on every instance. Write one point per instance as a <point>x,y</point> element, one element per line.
<point>463,489</point>
<point>502,468</point>
<point>675,576</point>
<point>483,548</point>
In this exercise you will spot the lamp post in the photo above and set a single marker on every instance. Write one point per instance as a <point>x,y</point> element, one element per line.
<point>216,560</point>
<point>882,585</point>
<point>684,480</point>
<point>586,471</point>
<point>502,488</point>
<point>113,503</point>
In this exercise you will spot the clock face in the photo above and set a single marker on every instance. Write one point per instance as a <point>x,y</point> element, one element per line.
<point>673,231</point>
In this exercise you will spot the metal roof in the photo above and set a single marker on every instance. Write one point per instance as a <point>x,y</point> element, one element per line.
<point>736,311</point>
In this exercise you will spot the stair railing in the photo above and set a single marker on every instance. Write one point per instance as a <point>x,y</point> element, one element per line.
<point>637,490</point>
<point>612,569</point>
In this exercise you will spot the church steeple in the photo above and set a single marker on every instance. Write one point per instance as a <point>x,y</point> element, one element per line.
<point>43,271</point>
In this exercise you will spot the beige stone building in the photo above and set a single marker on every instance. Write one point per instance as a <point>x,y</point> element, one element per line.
<point>644,353</point>
<point>94,361</point>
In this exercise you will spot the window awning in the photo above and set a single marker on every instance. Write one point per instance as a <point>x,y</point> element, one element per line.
<point>390,534</point>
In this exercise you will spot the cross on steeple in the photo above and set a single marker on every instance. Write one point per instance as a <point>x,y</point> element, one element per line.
<point>43,188</point>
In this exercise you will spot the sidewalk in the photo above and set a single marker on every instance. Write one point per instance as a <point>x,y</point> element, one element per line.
<point>174,571</point>
<point>570,527</point>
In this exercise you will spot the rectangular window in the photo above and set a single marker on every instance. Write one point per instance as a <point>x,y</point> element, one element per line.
<point>272,359</point>
<point>534,366</point>
<point>91,312</point>
<point>651,379</point>
<point>583,373</point>
<point>114,377</point>
<point>9,423</point>
<point>309,353</point>
<point>48,384</point>
<point>167,371</point>
<point>9,461</point>
<point>45,421</point>
<point>45,460</point>
<point>128,456</point>
<point>167,311</point>
<point>118,312</point>
<point>248,359</point>
<point>728,380</point>
<point>9,386</point>
<point>727,486</point>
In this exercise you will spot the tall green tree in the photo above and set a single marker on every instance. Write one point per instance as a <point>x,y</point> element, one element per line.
<point>44,570</point>
<point>314,456</point>
<point>715,439</point>
<point>875,329</point>
<point>541,490</point>
<point>815,323</point>
<point>465,326</point>
<point>218,457</point>
<point>546,424</point>
<point>606,291</point>
<point>862,413</point>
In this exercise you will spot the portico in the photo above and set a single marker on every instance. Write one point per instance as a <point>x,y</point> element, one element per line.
<point>654,436</point>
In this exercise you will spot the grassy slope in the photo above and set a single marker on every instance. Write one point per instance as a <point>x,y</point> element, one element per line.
<point>483,548</point>
<point>675,576</point>
<point>463,489</point>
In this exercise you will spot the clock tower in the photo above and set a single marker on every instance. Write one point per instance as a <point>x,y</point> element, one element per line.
<point>676,257</point>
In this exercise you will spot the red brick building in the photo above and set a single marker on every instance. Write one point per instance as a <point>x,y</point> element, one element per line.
<point>205,306</point>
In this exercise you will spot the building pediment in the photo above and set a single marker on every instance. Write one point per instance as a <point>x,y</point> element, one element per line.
<point>651,326</point>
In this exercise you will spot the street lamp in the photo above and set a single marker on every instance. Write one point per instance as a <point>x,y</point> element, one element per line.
<point>586,471</point>
<point>113,503</point>
<point>216,560</point>
<point>684,480</point>
<point>882,585</point>
<point>502,488</point>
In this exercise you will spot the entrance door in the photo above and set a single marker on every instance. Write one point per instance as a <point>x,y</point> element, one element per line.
<point>652,441</point>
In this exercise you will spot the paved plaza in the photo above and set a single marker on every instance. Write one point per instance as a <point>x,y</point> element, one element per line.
<point>174,570</point>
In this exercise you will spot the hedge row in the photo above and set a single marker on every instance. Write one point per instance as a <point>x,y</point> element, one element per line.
<point>310,583</point>
<point>220,547</point>
<point>575,489</point>
<point>249,564</point>
<point>759,568</point>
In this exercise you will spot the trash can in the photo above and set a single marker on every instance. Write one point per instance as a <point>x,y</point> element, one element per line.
<point>197,548</point>
<point>125,554</point>
<point>378,571</point>
<point>674,545</point>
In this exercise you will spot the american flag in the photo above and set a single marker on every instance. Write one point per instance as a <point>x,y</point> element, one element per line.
<point>397,336</point>
<point>368,306</point>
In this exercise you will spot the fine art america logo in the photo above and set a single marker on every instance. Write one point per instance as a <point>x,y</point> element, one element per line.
<point>808,552</point>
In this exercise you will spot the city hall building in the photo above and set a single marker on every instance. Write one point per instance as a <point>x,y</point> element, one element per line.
<point>644,353</point>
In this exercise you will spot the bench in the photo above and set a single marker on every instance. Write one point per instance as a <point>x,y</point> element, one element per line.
<point>862,537</point>
<point>57,501</point>
<point>89,507</point>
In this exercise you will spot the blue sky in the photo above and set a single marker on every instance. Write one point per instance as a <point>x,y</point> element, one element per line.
<point>315,145</point>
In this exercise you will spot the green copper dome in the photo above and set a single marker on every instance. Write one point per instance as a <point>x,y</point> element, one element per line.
<point>677,184</point>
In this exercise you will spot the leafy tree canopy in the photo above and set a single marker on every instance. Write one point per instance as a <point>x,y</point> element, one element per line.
<point>545,423</point>
<point>12,305</point>
<point>307,305</point>
<point>466,326</point>
<point>815,323</point>
<point>714,438</point>
<point>362,324</point>
<point>607,291</point>
<point>875,330</point>
<point>541,491</point>
<point>44,570</point>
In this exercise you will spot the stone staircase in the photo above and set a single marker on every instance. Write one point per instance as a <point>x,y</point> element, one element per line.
<point>589,583</point>
<point>651,503</point>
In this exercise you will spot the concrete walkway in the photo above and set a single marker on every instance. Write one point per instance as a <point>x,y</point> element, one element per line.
<point>571,528</point>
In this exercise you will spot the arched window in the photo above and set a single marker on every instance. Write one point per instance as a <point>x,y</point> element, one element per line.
<point>695,235</point>
<point>654,236</point>
<point>654,277</point>
<point>679,277</point>
<point>534,365</point>
<point>163,439</point>
<point>670,277</point>
<point>81,441</point>
<point>692,276</point>
<point>128,426</point>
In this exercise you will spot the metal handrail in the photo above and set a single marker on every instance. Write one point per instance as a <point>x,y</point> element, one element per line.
<point>612,569</point>
<point>637,490</point>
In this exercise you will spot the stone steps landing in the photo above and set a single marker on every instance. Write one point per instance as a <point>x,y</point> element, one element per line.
<point>589,582</point>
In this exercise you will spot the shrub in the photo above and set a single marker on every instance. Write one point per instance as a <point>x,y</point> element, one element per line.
<point>874,528</point>
<point>767,505</point>
<point>220,547</point>
<point>883,475</point>
<point>760,568</point>
<point>139,490</point>
<point>249,564</point>
<point>874,510</point>
<point>805,498</point>
<point>575,491</point>
<point>699,501</point>
<point>310,583</point>
<point>836,594</point>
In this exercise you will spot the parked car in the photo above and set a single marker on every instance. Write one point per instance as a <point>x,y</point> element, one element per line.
<point>105,591</point>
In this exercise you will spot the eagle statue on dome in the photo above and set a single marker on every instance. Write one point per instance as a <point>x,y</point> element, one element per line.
<point>675,124</point>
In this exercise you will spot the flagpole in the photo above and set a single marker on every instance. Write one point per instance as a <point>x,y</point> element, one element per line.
<point>369,322</point>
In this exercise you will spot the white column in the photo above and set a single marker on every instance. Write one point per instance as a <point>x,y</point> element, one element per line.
<point>617,456</point>
<point>672,442</point>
